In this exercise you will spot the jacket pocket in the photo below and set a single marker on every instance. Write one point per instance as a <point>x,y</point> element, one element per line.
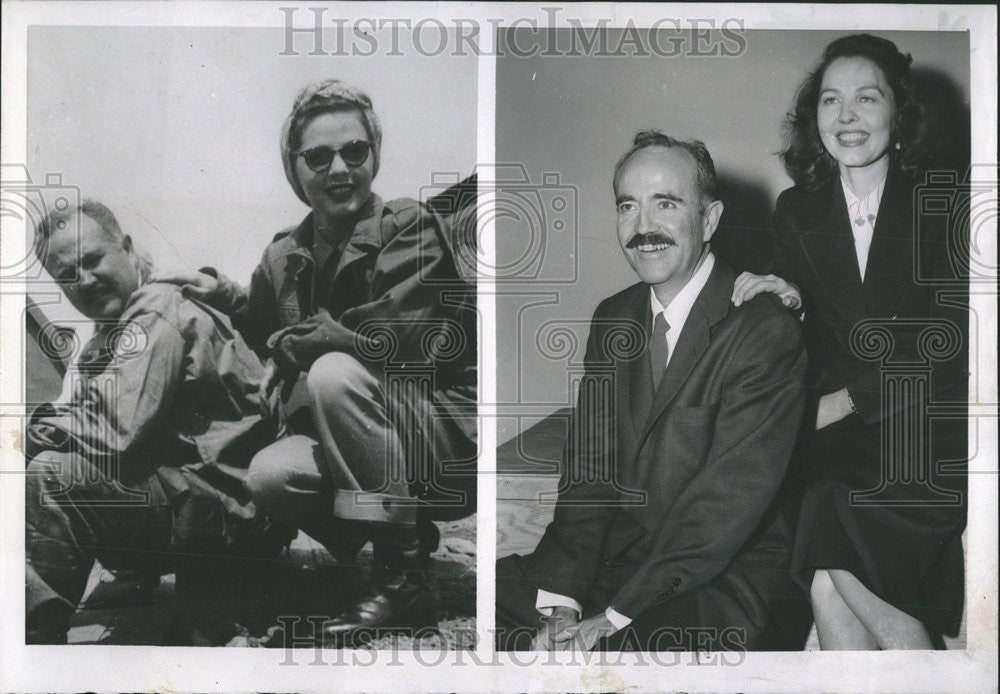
<point>687,436</point>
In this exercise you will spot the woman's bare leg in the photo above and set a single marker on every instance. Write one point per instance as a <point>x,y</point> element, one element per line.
<point>892,628</point>
<point>838,628</point>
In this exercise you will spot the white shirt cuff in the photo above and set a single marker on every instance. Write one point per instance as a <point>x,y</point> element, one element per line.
<point>617,619</point>
<point>546,601</point>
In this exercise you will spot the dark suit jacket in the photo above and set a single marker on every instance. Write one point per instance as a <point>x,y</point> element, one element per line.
<point>902,538</point>
<point>910,259</point>
<point>675,488</point>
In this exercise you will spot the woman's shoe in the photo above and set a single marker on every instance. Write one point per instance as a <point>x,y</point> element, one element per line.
<point>400,599</point>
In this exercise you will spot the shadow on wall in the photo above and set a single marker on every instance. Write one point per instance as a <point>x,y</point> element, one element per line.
<point>949,118</point>
<point>743,238</point>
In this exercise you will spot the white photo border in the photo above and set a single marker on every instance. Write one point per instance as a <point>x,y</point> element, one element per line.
<point>104,668</point>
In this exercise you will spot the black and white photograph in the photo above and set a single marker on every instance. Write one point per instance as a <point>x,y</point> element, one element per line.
<point>271,417</point>
<point>498,347</point>
<point>749,495</point>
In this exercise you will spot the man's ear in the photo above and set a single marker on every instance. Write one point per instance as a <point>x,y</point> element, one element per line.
<point>710,218</point>
<point>134,258</point>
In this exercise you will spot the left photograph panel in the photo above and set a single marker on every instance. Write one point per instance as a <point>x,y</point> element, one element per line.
<point>250,339</point>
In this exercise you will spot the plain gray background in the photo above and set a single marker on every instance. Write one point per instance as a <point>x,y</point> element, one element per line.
<point>176,129</point>
<point>573,116</point>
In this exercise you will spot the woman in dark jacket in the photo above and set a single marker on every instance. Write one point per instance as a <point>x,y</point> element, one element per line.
<point>367,323</point>
<point>882,289</point>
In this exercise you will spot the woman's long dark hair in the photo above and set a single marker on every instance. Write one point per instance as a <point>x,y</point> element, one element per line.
<point>805,158</point>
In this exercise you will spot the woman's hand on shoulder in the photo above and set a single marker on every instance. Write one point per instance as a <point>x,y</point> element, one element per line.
<point>749,285</point>
<point>199,285</point>
<point>215,290</point>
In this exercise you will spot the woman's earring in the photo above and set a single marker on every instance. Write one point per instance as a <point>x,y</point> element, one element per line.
<point>897,146</point>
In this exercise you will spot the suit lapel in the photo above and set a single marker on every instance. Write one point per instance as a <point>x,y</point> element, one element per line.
<point>640,393</point>
<point>692,344</point>
<point>890,260</point>
<point>830,250</point>
<point>709,308</point>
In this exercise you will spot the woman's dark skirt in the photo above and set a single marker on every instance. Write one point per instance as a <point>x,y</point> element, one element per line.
<point>901,538</point>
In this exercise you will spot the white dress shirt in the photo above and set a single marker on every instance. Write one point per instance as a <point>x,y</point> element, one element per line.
<point>676,314</point>
<point>863,214</point>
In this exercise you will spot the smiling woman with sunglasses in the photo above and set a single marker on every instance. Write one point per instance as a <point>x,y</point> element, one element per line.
<point>318,159</point>
<point>373,435</point>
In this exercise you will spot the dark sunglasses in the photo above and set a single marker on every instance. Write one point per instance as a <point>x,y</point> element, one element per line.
<point>318,159</point>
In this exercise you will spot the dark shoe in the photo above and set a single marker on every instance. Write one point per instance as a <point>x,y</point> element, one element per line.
<point>400,598</point>
<point>384,611</point>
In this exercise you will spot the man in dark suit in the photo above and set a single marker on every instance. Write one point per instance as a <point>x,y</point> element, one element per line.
<point>666,534</point>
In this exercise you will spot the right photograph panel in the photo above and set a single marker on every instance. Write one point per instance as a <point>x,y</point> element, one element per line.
<point>732,339</point>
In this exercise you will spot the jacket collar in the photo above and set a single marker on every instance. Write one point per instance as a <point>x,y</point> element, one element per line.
<point>639,397</point>
<point>711,307</point>
<point>829,247</point>
<point>365,238</point>
<point>890,260</point>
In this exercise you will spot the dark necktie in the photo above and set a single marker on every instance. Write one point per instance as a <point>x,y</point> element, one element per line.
<point>658,348</point>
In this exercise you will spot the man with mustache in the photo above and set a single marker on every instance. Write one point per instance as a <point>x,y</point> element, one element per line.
<point>145,468</point>
<point>666,533</point>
